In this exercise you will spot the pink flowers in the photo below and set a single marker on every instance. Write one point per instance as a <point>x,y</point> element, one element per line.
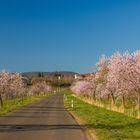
<point>124,73</point>
<point>82,87</point>
<point>40,88</point>
<point>11,85</point>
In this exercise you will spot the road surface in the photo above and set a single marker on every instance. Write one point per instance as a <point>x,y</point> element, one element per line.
<point>46,120</point>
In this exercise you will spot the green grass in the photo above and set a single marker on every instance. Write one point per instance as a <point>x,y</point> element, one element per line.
<point>15,104</point>
<point>108,125</point>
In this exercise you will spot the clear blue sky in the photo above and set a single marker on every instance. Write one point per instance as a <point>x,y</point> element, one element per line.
<point>50,35</point>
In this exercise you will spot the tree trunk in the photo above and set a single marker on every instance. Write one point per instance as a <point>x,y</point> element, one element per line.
<point>94,95</point>
<point>108,97</point>
<point>112,99</point>
<point>123,101</point>
<point>1,101</point>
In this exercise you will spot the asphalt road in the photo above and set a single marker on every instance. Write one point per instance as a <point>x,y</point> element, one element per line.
<point>46,120</point>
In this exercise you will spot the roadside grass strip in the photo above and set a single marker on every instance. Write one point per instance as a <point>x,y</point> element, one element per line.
<point>106,124</point>
<point>11,105</point>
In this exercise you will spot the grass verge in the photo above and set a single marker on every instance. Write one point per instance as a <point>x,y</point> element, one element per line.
<point>15,104</point>
<point>105,124</point>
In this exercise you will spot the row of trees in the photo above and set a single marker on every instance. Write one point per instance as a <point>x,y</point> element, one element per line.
<point>40,88</point>
<point>117,77</point>
<point>13,86</point>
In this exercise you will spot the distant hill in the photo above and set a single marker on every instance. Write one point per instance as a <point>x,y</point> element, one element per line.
<point>35,74</point>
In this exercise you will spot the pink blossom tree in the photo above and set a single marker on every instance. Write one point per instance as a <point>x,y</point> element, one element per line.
<point>4,85</point>
<point>124,74</point>
<point>135,75</point>
<point>17,86</point>
<point>82,88</point>
<point>10,85</point>
<point>40,88</point>
<point>101,76</point>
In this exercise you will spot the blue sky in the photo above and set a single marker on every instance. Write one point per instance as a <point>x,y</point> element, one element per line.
<point>50,35</point>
